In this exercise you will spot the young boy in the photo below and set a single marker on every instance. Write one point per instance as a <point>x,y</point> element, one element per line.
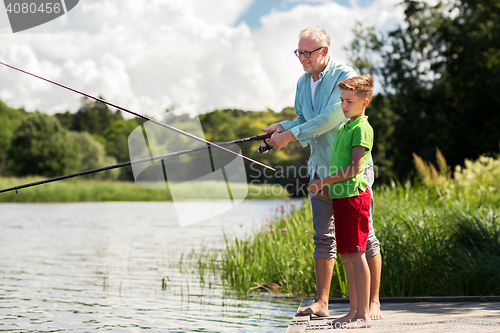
<point>350,195</point>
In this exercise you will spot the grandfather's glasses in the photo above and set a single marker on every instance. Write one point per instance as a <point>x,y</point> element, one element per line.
<point>306,54</point>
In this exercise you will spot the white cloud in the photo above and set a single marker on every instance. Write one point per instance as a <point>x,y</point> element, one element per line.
<point>151,55</point>
<point>278,36</point>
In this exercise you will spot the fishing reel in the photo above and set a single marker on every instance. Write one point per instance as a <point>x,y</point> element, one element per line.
<point>267,147</point>
<point>264,149</point>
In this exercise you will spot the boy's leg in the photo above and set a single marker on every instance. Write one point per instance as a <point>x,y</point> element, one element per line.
<point>352,229</point>
<point>351,286</point>
<point>362,283</point>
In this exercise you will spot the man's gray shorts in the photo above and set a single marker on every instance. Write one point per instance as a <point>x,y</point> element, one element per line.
<point>325,246</point>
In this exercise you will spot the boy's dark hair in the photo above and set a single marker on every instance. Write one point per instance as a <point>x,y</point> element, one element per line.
<point>361,85</point>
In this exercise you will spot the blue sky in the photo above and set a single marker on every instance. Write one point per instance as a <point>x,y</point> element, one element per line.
<point>260,8</point>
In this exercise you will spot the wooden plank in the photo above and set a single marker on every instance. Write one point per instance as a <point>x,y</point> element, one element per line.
<point>422,315</point>
<point>427,299</point>
<point>299,322</point>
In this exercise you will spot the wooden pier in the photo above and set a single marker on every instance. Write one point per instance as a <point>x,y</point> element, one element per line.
<point>413,314</point>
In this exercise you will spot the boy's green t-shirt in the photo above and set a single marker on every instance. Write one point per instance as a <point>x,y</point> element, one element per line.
<point>357,133</point>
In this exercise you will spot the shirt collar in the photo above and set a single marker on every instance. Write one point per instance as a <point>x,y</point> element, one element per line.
<point>357,121</point>
<point>327,68</point>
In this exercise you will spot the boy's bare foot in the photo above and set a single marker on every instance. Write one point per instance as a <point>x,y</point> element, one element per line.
<point>375,312</point>
<point>319,309</point>
<point>358,323</point>
<point>344,319</point>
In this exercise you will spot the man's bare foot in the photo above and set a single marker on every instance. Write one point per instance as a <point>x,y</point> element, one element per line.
<point>375,312</point>
<point>319,309</point>
<point>358,323</point>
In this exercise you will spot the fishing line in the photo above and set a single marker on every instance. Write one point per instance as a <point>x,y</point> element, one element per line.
<point>262,165</point>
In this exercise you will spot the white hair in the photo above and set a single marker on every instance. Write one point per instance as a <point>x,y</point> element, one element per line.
<point>318,34</point>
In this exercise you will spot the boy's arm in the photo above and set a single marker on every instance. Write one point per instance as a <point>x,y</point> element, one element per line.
<point>347,172</point>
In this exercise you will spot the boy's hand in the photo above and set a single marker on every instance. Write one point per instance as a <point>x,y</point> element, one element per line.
<point>314,186</point>
<point>325,192</point>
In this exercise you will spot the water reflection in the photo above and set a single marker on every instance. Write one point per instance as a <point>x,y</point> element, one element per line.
<point>117,267</point>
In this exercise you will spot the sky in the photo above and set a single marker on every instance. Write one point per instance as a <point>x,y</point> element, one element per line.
<point>152,55</point>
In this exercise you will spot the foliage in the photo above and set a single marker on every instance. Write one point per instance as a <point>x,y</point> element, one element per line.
<point>438,239</point>
<point>116,138</point>
<point>226,125</point>
<point>439,70</point>
<point>277,258</point>
<point>475,183</point>
<point>92,116</point>
<point>433,248</point>
<point>112,132</point>
<point>10,119</point>
<point>93,156</point>
<point>41,146</point>
<point>427,172</point>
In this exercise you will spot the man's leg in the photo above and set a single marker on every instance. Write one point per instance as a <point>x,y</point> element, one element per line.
<point>324,253</point>
<point>375,266</point>
<point>324,270</point>
<point>373,256</point>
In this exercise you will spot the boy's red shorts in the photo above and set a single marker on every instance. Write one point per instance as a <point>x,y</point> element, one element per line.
<point>352,222</point>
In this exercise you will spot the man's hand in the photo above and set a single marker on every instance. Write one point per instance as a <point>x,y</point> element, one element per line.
<point>279,140</point>
<point>273,128</point>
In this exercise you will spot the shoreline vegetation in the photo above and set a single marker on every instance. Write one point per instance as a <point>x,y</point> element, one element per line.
<point>97,190</point>
<point>439,237</point>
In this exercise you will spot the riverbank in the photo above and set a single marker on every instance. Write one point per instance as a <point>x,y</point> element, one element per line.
<point>429,247</point>
<point>95,190</point>
<point>438,238</point>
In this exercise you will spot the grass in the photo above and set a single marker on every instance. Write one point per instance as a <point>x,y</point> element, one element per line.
<point>437,239</point>
<point>93,190</point>
<point>436,249</point>
<point>276,258</point>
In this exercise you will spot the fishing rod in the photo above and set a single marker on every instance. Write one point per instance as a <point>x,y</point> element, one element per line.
<point>262,165</point>
<point>144,160</point>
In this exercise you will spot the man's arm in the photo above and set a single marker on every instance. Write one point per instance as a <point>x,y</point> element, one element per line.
<point>306,130</point>
<point>347,172</point>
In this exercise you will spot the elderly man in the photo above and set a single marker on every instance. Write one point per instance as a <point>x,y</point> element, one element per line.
<point>319,115</point>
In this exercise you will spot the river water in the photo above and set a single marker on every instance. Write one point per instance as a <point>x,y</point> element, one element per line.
<point>124,267</point>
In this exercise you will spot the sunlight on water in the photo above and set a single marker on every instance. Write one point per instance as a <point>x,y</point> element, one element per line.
<point>116,267</point>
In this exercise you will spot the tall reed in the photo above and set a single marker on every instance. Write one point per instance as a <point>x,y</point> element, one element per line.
<point>276,258</point>
<point>440,237</point>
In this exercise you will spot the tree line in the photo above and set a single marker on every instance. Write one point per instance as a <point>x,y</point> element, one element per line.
<point>96,136</point>
<point>440,77</point>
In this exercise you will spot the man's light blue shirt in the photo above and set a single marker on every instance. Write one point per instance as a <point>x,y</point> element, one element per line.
<point>318,125</point>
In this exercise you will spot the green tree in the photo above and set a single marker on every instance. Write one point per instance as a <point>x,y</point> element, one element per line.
<point>227,125</point>
<point>92,116</point>
<point>93,156</point>
<point>41,146</point>
<point>10,119</point>
<point>116,138</point>
<point>439,70</point>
